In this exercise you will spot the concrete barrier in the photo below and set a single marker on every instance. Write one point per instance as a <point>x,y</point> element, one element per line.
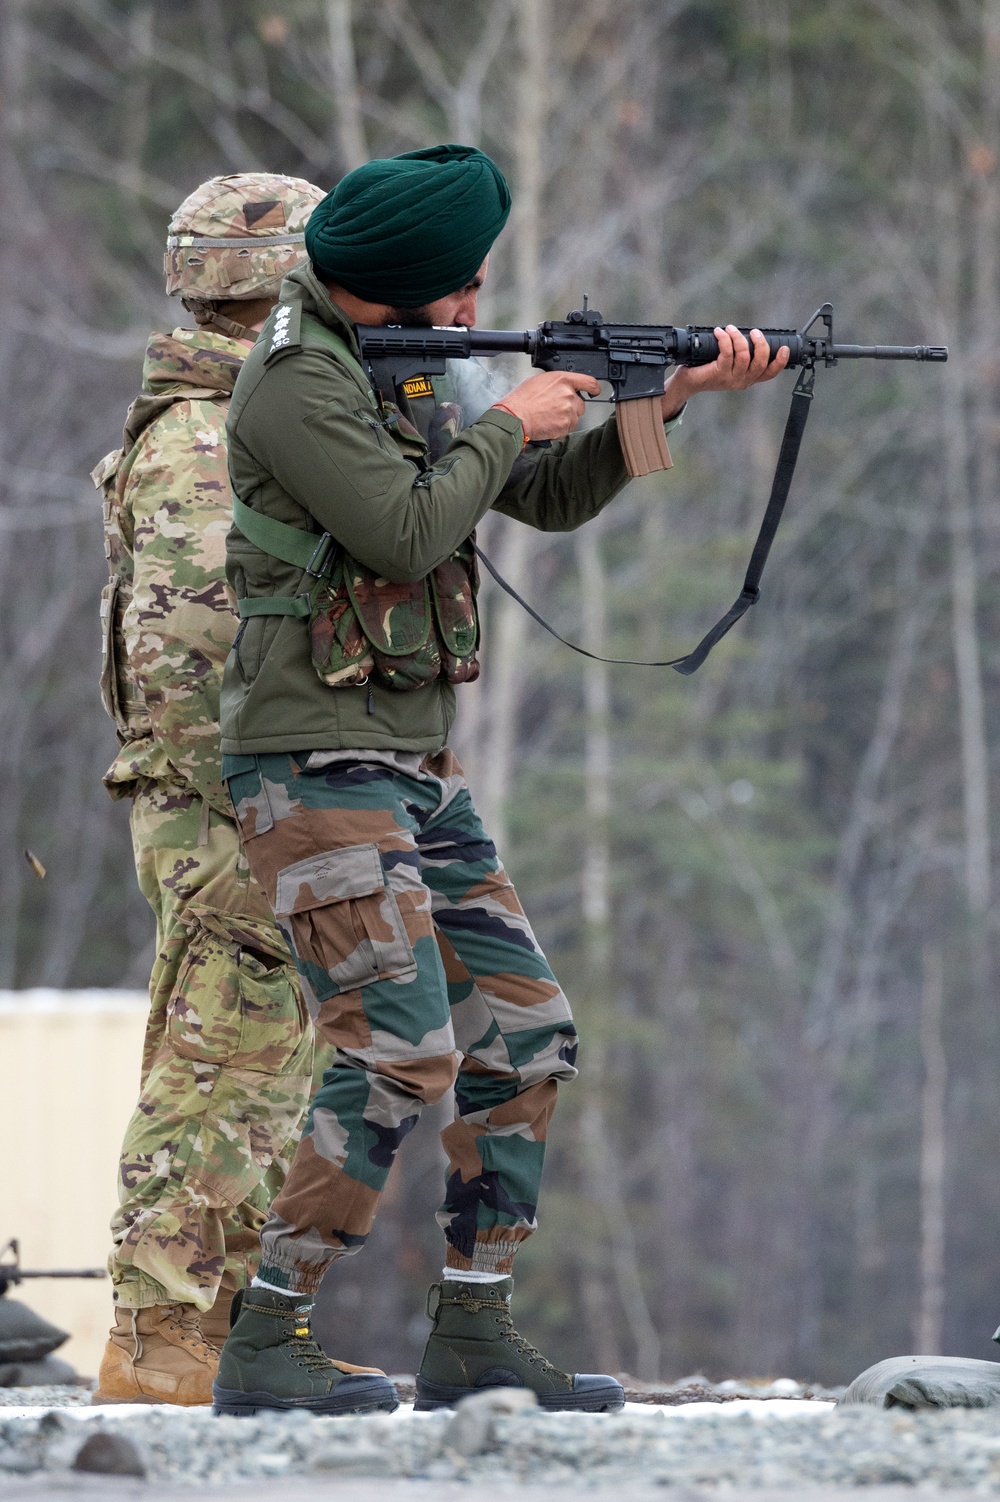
<point>69,1078</point>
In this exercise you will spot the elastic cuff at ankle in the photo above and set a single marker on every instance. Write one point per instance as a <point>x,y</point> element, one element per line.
<point>467,1275</point>
<point>137,1292</point>
<point>487,1257</point>
<point>293,1280</point>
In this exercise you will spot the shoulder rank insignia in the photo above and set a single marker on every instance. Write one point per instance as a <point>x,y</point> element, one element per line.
<point>285,330</point>
<point>418,386</point>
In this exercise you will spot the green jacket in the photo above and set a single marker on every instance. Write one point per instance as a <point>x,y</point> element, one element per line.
<point>307,446</point>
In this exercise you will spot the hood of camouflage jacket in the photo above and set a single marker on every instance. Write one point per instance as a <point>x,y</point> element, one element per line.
<point>189,364</point>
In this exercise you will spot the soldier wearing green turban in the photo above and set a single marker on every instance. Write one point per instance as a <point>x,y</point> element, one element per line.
<point>352,561</point>
<point>411,229</point>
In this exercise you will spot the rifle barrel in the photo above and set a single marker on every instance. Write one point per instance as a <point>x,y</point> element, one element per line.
<point>699,346</point>
<point>19,1274</point>
<point>937,352</point>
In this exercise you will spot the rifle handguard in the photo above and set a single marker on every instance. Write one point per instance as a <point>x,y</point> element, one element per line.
<point>640,432</point>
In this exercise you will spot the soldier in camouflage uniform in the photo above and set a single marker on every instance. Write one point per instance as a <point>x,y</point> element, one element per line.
<point>352,557</point>
<point>227,1061</point>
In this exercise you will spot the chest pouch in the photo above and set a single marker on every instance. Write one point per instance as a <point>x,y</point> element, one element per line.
<point>362,625</point>
<point>405,635</point>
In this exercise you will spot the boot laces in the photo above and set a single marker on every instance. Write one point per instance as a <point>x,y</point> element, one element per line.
<point>308,1352</point>
<point>184,1318</point>
<point>506,1323</point>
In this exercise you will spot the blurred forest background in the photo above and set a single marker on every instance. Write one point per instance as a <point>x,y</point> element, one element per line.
<point>770,890</point>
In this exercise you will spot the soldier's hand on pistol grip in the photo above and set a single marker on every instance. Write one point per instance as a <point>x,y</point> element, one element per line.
<point>734,370</point>
<point>549,405</point>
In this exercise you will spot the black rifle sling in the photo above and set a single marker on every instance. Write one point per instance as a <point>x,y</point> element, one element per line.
<point>625,662</point>
<point>750,594</point>
<point>780,486</point>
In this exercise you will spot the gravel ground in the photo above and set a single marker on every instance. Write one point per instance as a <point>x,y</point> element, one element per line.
<point>90,1489</point>
<point>84,1489</point>
<point>695,1389</point>
<point>77,1396</point>
<point>740,1447</point>
<point>699,1389</point>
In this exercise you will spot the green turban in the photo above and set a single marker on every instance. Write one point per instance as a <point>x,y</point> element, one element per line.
<point>409,229</point>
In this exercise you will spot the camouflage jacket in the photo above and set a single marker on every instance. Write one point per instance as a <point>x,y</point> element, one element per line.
<point>309,448</point>
<point>166,612</point>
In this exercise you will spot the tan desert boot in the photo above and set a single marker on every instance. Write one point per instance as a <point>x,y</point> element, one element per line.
<point>157,1355</point>
<point>214,1323</point>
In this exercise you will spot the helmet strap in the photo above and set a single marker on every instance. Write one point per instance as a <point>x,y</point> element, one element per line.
<point>208,315</point>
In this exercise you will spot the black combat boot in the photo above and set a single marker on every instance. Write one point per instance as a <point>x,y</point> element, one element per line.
<point>270,1360</point>
<point>474,1345</point>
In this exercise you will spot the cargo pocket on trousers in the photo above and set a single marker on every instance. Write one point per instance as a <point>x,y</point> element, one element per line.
<point>203,1013</point>
<point>275,1033</point>
<point>234,1005</point>
<point>344,919</point>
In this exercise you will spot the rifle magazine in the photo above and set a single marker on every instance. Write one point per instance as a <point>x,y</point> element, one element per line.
<point>640,432</point>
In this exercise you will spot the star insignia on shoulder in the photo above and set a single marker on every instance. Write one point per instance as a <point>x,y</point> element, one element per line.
<point>282,319</point>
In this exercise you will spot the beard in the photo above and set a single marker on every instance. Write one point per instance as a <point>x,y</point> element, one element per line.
<point>414,318</point>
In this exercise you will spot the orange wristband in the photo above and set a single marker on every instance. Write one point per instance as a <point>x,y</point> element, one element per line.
<point>502,406</point>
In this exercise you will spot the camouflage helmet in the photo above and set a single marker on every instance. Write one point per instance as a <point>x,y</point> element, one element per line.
<point>235,237</point>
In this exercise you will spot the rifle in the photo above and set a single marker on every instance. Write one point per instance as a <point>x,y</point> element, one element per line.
<point>12,1273</point>
<point>634,360</point>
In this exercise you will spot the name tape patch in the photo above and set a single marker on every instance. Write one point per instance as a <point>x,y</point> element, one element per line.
<point>418,386</point>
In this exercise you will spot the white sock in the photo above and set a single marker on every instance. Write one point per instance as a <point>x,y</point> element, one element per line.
<point>273,1288</point>
<point>456,1275</point>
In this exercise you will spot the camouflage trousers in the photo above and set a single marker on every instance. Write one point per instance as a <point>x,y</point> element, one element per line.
<point>414,948</point>
<point>227,1062</point>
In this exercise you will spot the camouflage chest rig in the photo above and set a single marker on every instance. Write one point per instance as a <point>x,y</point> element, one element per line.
<point>361,625</point>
